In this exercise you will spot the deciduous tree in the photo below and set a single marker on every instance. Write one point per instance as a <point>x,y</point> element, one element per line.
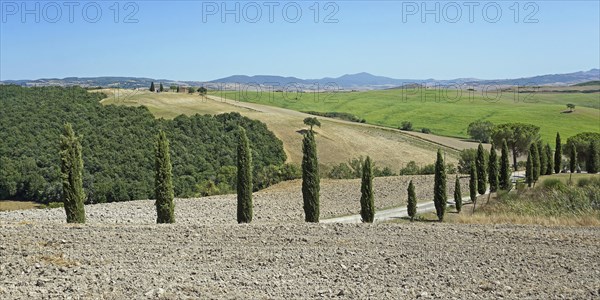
<point>312,121</point>
<point>518,137</point>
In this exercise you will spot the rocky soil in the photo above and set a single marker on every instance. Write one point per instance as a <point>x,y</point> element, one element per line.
<point>121,254</point>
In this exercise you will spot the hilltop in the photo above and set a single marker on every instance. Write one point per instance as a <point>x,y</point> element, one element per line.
<point>358,81</point>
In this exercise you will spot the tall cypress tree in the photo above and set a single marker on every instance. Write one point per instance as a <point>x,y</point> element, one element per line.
<point>152,89</point>
<point>573,158</point>
<point>529,169</point>
<point>161,88</point>
<point>473,184</point>
<point>440,198</point>
<point>310,178</point>
<point>457,195</point>
<point>244,178</point>
<point>557,154</point>
<point>411,206</point>
<point>542,156</point>
<point>549,160</point>
<point>493,170</point>
<point>481,170</point>
<point>163,181</point>
<point>367,200</point>
<point>535,157</point>
<point>592,160</point>
<point>505,173</point>
<point>71,174</point>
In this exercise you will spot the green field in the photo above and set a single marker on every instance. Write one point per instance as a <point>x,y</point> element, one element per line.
<point>445,112</point>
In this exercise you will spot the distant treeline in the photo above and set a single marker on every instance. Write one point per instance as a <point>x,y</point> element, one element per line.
<point>118,147</point>
<point>337,115</point>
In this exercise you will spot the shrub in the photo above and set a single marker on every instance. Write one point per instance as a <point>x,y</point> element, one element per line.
<point>467,156</point>
<point>411,168</point>
<point>553,184</point>
<point>425,130</point>
<point>406,126</point>
<point>481,130</point>
<point>341,171</point>
<point>427,169</point>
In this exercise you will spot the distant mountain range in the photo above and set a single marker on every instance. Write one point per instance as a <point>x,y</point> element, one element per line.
<point>359,81</point>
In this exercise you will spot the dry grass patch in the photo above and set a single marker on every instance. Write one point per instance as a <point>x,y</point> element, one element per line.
<point>58,260</point>
<point>9,205</point>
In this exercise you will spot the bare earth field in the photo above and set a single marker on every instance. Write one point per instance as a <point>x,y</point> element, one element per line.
<point>121,254</point>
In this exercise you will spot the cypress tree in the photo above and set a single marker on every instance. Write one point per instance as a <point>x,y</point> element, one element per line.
<point>505,173</point>
<point>592,160</point>
<point>152,89</point>
<point>163,181</point>
<point>178,89</point>
<point>529,170</point>
<point>549,160</point>
<point>244,178</point>
<point>440,197</point>
<point>557,154</point>
<point>573,158</point>
<point>542,156</point>
<point>71,173</point>
<point>411,206</point>
<point>367,200</point>
<point>481,170</point>
<point>457,195</point>
<point>310,178</point>
<point>161,88</point>
<point>493,170</point>
<point>473,184</point>
<point>535,162</point>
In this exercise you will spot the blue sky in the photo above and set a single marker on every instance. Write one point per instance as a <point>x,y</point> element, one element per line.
<point>188,40</point>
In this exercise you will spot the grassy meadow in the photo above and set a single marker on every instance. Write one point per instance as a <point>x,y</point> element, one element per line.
<point>445,112</point>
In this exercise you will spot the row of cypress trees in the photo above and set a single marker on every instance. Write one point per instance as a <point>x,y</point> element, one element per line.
<point>72,174</point>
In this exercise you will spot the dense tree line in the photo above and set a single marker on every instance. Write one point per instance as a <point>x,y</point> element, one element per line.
<point>118,147</point>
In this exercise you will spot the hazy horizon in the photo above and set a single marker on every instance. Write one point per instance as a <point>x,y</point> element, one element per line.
<point>206,40</point>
